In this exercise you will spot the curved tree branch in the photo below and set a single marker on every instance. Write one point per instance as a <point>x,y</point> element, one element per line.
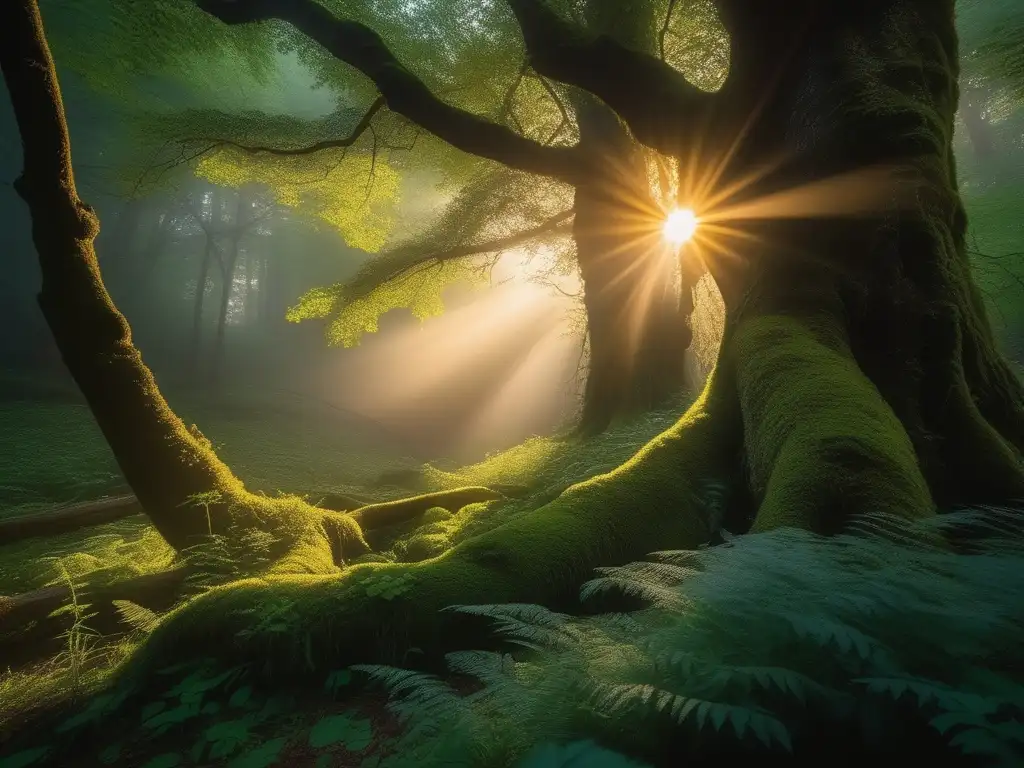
<point>556,223</point>
<point>361,47</point>
<point>660,106</point>
<point>341,143</point>
<point>663,32</point>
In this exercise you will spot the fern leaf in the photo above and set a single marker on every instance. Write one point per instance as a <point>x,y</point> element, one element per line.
<point>138,617</point>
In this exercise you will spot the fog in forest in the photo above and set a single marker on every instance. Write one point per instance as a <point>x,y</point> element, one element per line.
<point>500,365</point>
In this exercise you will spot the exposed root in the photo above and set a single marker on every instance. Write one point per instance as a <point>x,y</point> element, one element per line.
<point>821,442</point>
<point>377,612</point>
<point>388,513</point>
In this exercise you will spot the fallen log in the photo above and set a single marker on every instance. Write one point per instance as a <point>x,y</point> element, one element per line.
<point>72,517</point>
<point>29,632</point>
<point>67,518</point>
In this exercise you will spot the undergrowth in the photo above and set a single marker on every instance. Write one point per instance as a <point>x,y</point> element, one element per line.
<point>761,642</point>
<point>759,646</point>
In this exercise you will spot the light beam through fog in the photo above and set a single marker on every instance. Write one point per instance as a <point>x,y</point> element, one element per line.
<point>495,368</point>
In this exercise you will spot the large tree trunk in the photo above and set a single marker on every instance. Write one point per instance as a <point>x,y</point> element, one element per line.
<point>857,373</point>
<point>637,329</point>
<point>868,376</point>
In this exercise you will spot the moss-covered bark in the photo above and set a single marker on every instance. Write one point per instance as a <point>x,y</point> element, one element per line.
<point>168,465</point>
<point>378,612</point>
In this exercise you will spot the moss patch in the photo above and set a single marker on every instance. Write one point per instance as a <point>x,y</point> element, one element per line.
<point>822,443</point>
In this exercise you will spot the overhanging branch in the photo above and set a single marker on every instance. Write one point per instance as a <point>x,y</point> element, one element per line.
<point>548,226</point>
<point>656,101</point>
<point>361,47</point>
<point>342,143</point>
<point>556,224</point>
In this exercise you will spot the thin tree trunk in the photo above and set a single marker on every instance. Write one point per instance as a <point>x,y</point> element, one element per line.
<point>196,337</point>
<point>979,132</point>
<point>265,291</point>
<point>249,302</point>
<point>229,264</point>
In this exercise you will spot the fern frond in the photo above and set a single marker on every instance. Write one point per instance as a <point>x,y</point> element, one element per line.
<point>138,617</point>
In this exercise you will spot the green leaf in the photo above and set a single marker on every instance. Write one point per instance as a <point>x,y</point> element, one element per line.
<point>227,736</point>
<point>25,758</point>
<point>240,697</point>
<point>153,709</point>
<point>274,706</point>
<point>337,679</point>
<point>166,760</point>
<point>64,609</point>
<point>176,716</point>
<point>111,754</point>
<point>262,756</point>
<point>977,741</point>
<point>949,720</point>
<point>354,734</point>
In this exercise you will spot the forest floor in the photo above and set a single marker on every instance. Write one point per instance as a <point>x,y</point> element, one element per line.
<point>776,630</point>
<point>52,453</point>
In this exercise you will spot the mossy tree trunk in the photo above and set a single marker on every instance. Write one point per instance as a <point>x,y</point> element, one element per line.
<point>166,464</point>
<point>857,374</point>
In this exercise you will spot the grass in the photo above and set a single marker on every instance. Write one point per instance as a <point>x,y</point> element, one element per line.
<point>54,454</point>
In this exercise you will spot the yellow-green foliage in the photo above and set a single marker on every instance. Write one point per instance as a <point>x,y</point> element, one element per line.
<point>352,193</point>
<point>697,45</point>
<point>542,466</point>
<point>35,688</point>
<point>819,437</point>
<point>101,555</point>
<point>419,290</point>
<point>414,273</point>
<point>518,465</point>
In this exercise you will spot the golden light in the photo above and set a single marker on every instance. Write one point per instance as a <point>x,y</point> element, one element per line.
<point>680,225</point>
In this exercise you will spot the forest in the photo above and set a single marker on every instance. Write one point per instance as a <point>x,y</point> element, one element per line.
<point>511,383</point>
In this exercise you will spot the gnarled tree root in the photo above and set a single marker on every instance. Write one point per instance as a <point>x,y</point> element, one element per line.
<point>821,442</point>
<point>377,612</point>
<point>28,632</point>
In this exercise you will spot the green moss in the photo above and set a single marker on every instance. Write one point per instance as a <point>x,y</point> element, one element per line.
<point>821,442</point>
<point>649,503</point>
